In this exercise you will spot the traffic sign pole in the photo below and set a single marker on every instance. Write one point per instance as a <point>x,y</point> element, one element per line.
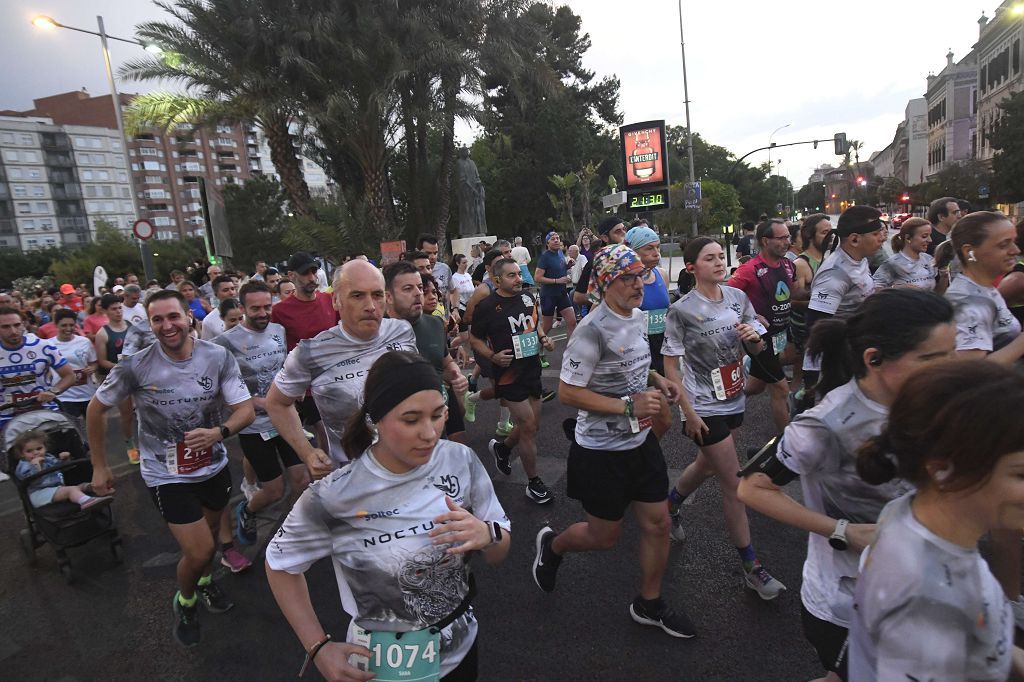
<point>143,230</point>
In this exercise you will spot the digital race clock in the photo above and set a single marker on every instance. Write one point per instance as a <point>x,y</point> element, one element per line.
<point>647,201</point>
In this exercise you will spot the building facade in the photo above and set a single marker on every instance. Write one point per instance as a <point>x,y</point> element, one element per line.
<point>952,116</point>
<point>1000,73</point>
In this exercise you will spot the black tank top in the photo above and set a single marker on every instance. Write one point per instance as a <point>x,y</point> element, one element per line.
<point>115,342</point>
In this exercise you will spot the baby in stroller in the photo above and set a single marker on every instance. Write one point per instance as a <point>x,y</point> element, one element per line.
<point>30,449</point>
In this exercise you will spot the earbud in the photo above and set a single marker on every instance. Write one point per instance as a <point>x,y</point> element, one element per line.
<point>970,256</point>
<point>875,360</point>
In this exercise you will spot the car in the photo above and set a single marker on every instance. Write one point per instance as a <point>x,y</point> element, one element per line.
<point>898,219</point>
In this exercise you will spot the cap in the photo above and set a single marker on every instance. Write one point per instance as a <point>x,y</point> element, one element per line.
<point>118,289</point>
<point>608,223</point>
<point>66,289</point>
<point>301,262</point>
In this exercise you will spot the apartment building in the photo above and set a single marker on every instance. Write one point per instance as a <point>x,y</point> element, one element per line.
<point>320,184</point>
<point>999,69</point>
<point>952,116</point>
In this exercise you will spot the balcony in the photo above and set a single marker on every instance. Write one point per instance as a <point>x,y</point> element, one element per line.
<point>192,167</point>
<point>73,223</point>
<point>56,159</point>
<point>8,226</point>
<point>52,143</point>
<point>227,168</point>
<point>67,192</point>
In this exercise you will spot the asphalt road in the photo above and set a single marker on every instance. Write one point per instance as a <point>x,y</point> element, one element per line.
<point>115,622</point>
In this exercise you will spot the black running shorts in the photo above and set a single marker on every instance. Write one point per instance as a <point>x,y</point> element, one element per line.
<point>263,455</point>
<point>828,639</point>
<point>606,482</point>
<point>766,365</point>
<point>183,503</point>
<point>719,428</point>
<point>525,386</point>
<point>308,412</point>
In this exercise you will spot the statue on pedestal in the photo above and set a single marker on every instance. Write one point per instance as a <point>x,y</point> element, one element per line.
<point>470,192</point>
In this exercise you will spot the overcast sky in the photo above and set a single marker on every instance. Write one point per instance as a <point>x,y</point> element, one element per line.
<point>822,67</point>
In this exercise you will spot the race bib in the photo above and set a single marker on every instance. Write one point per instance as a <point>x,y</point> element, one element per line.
<point>182,459</point>
<point>81,378</point>
<point>400,656</point>
<point>778,343</point>
<point>526,345</point>
<point>728,380</point>
<point>268,435</point>
<point>656,320</point>
<point>28,405</point>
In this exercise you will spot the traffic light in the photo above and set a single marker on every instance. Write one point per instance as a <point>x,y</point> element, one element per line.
<point>861,181</point>
<point>905,198</point>
<point>841,144</point>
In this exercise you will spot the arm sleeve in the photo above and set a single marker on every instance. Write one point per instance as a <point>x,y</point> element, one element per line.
<point>91,355</point>
<point>581,356</point>
<point>806,445</point>
<point>232,385</point>
<point>675,334</point>
<point>973,328</point>
<point>304,538</point>
<point>295,377</point>
<point>827,291</point>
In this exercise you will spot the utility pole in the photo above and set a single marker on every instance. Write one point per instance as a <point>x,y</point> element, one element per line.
<point>686,102</point>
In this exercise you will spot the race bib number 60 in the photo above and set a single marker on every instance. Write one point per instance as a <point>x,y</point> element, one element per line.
<point>400,656</point>
<point>728,381</point>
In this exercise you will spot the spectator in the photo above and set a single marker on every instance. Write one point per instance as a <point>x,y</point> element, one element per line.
<point>520,254</point>
<point>69,299</point>
<point>747,247</point>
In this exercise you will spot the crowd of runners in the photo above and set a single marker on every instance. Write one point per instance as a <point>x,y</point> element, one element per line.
<point>893,378</point>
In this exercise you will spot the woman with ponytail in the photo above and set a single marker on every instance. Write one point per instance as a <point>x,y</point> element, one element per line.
<point>398,527</point>
<point>926,604</point>
<point>910,265</point>
<point>865,359</point>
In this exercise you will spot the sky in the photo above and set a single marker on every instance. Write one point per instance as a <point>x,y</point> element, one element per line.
<point>752,66</point>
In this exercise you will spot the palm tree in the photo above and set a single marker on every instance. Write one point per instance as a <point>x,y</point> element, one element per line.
<point>231,59</point>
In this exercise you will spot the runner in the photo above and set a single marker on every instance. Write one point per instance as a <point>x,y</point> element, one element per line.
<point>81,357</point>
<point>647,245</point>
<point>258,346</point>
<point>371,518</point>
<point>552,274</point>
<point>927,606</point>
<point>181,388</point>
<point>1011,287</point>
<point>403,286</point>
<point>27,367</point>
<point>910,264</point>
<point>611,230</point>
<point>438,268</point>
<point>132,309</point>
<point>712,326</point>
<point>505,331</point>
<point>332,366</point>
<point>767,280</point>
<point>224,288</point>
<point>615,460</point>
<point>865,359</point>
<point>109,349</point>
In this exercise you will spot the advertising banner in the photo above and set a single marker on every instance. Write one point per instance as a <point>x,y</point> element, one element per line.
<point>644,160</point>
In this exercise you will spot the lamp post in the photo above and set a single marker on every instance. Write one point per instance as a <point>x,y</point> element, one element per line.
<point>686,103</point>
<point>45,22</point>
<point>770,146</point>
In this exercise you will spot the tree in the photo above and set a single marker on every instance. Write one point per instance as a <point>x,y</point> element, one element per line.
<point>962,181</point>
<point>113,250</point>
<point>811,197</point>
<point>16,265</point>
<point>1008,141</point>
<point>719,206</point>
<point>565,201</point>
<point>256,220</point>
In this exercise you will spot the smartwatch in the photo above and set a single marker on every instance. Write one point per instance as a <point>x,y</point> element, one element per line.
<point>838,538</point>
<point>495,529</point>
<point>225,432</point>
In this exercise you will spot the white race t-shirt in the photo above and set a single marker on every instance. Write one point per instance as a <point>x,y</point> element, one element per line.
<point>213,326</point>
<point>902,270</point>
<point>79,352</point>
<point>26,370</point>
<point>134,314</point>
<point>983,322</point>
<point>840,284</point>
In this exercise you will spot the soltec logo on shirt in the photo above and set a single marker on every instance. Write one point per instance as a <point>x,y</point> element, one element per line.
<point>370,516</point>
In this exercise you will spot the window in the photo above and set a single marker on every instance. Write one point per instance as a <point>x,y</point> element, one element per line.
<point>148,151</point>
<point>26,139</point>
<point>103,175</point>
<point>97,143</point>
<point>14,173</point>
<point>148,165</point>
<point>38,191</point>
<point>50,241</point>
<point>122,176</point>
<point>83,159</point>
<point>92,206</point>
<point>24,207</point>
<point>81,142</point>
<point>86,174</point>
<point>127,207</point>
<point>46,223</point>
<point>10,155</point>
<point>90,191</point>
<point>7,138</point>
<point>153,180</point>
<point>116,145</point>
<point>31,243</point>
<point>20,191</point>
<point>126,193</point>
<point>42,207</point>
<point>108,206</point>
<point>34,174</point>
<point>28,224</point>
<point>99,159</point>
<point>31,157</point>
<point>107,190</point>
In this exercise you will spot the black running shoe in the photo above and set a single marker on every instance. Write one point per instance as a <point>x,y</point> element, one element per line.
<point>502,456</point>
<point>674,623</point>
<point>186,623</point>
<point>537,491</point>
<point>547,396</point>
<point>213,598</point>
<point>545,564</point>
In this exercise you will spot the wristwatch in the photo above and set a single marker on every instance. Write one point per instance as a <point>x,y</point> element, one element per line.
<point>495,529</point>
<point>628,410</point>
<point>838,538</point>
<point>225,432</point>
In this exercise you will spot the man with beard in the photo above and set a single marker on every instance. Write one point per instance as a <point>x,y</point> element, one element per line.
<point>259,347</point>
<point>180,387</point>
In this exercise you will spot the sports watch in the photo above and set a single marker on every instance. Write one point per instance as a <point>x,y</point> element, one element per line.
<point>495,529</point>
<point>838,538</point>
<point>225,432</point>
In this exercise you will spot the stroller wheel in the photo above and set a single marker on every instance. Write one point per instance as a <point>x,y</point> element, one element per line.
<point>65,571</point>
<point>117,551</point>
<point>28,545</point>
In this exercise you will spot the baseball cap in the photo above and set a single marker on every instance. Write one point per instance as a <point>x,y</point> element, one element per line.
<point>608,223</point>
<point>118,289</point>
<point>66,289</point>
<point>301,262</point>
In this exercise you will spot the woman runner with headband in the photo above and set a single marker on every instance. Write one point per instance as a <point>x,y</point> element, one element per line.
<point>396,525</point>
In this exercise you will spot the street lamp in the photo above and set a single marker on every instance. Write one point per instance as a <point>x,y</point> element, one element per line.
<point>770,146</point>
<point>686,103</point>
<point>48,23</point>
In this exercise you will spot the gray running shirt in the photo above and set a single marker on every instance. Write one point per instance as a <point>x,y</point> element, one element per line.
<point>334,366</point>
<point>608,354</point>
<point>373,524</point>
<point>926,609</point>
<point>703,333</point>
<point>260,356</point>
<point>821,445</point>
<point>139,337</point>
<point>840,284</point>
<point>983,322</point>
<point>902,270</point>
<point>172,398</point>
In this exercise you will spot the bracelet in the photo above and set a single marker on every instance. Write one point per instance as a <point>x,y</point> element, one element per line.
<point>311,654</point>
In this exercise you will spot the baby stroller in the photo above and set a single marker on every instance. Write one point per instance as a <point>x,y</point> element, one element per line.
<point>62,524</point>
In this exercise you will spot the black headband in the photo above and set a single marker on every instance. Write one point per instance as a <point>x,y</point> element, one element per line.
<point>394,387</point>
<point>858,228</point>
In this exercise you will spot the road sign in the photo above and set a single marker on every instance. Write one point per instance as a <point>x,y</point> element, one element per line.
<point>983,191</point>
<point>143,229</point>
<point>691,195</point>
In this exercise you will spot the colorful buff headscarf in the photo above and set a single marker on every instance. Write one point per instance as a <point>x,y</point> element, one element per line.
<point>641,235</point>
<point>610,263</point>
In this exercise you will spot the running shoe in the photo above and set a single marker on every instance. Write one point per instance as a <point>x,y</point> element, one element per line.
<point>677,532</point>
<point>133,455</point>
<point>470,404</point>
<point>665,617</point>
<point>544,364</point>
<point>472,385</point>
<point>4,477</point>
<point>547,396</point>
<point>235,560</point>
<point>186,622</point>
<point>546,562</point>
<point>762,582</point>
<point>504,429</point>
<point>245,525</point>
<point>249,489</point>
<point>213,597</point>
<point>502,456</point>
<point>537,491</point>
